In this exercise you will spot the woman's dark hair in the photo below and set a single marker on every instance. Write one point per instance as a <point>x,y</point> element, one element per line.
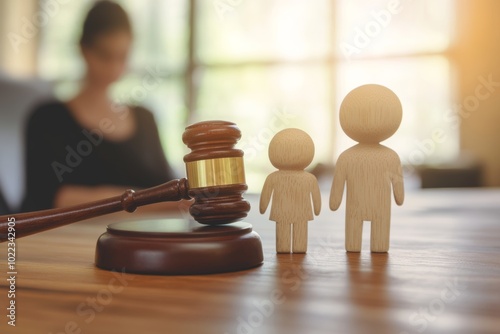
<point>104,17</point>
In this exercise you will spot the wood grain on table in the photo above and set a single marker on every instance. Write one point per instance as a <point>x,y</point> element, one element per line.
<point>441,275</point>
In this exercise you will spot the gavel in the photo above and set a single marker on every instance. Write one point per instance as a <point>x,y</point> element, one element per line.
<point>215,180</point>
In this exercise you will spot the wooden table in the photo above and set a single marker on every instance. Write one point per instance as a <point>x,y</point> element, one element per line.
<point>442,275</point>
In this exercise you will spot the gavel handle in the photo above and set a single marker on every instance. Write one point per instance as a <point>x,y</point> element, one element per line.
<point>130,200</point>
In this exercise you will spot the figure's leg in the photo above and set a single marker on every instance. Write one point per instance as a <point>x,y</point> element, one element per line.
<point>283,237</point>
<point>353,230</point>
<point>299,243</point>
<point>380,234</point>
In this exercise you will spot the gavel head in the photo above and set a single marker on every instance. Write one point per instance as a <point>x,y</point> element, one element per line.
<point>215,173</point>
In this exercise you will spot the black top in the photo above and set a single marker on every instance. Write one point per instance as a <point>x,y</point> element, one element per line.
<point>61,152</point>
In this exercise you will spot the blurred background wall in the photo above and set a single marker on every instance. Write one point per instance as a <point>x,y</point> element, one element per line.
<point>17,61</point>
<point>478,53</point>
<point>268,65</point>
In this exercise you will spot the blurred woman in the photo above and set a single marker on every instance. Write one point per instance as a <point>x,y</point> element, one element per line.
<point>86,148</point>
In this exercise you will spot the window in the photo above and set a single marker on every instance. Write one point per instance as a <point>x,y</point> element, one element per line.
<point>269,65</point>
<point>406,46</point>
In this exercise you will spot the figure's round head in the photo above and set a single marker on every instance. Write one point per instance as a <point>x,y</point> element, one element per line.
<point>291,149</point>
<point>370,114</point>
<point>105,42</point>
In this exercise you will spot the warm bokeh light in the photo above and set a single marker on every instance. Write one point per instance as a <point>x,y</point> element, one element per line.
<point>276,64</point>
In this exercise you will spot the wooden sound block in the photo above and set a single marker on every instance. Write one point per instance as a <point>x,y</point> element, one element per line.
<point>178,247</point>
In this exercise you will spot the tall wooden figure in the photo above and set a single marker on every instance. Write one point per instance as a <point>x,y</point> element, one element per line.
<point>291,189</point>
<point>369,114</point>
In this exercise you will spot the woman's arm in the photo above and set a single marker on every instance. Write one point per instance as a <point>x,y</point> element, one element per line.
<point>41,150</point>
<point>338,184</point>
<point>70,195</point>
<point>267,192</point>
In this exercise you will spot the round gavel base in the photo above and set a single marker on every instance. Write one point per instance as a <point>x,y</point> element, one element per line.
<point>178,247</point>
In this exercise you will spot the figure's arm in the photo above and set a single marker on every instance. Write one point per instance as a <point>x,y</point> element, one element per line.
<point>397,181</point>
<point>316,196</point>
<point>337,191</point>
<point>265,196</point>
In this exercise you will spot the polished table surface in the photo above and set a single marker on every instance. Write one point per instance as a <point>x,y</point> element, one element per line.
<point>441,275</point>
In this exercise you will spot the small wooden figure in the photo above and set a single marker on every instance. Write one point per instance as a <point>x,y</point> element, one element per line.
<point>369,114</point>
<point>291,189</point>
